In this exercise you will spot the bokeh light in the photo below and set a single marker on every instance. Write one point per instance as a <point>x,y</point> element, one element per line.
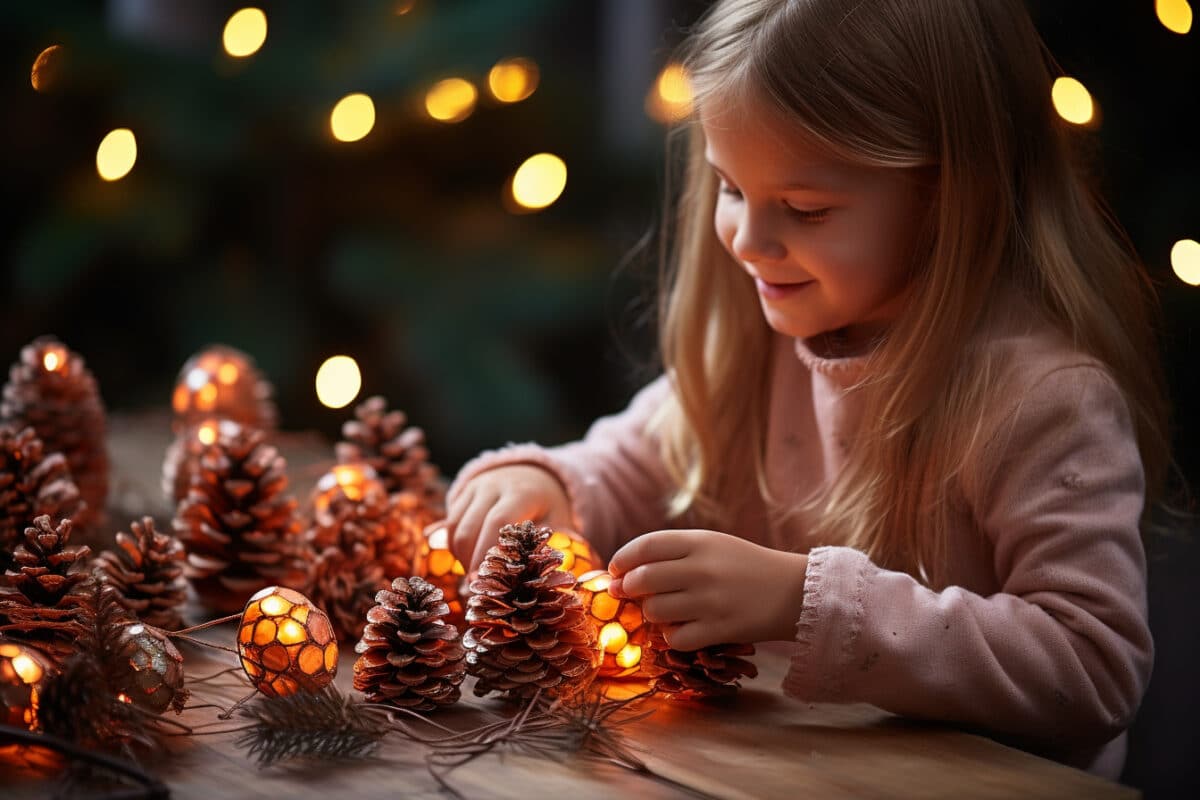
<point>539,181</point>
<point>1072,101</point>
<point>338,381</point>
<point>1175,15</point>
<point>404,6</point>
<point>451,100</point>
<point>245,32</point>
<point>1185,260</point>
<point>116,154</point>
<point>47,68</point>
<point>513,79</point>
<point>352,118</point>
<point>670,98</point>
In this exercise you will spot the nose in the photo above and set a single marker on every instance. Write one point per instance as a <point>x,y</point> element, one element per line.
<point>755,238</point>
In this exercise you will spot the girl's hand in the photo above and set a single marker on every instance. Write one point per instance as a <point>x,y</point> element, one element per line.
<point>497,497</point>
<point>705,587</point>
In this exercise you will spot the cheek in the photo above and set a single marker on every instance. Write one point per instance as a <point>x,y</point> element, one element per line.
<point>725,225</point>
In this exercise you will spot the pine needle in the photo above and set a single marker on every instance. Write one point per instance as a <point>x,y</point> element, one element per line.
<point>321,725</point>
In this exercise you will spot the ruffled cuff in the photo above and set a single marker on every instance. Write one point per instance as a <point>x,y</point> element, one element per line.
<point>527,453</point>
<point>831,617</point>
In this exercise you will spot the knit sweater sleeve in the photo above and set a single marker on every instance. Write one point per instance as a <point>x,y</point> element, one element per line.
<point>614,476</point>
<point>1061,654</point>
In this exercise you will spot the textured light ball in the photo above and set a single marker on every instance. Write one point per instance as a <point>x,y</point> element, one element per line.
<point>155,677</point>
<point>222,382</point>
<point>621,630</point>
<point>436,564</point>
<point>22,670</point>
<point>286,644</point>
<point>579,556</point>
<point>353,482</point>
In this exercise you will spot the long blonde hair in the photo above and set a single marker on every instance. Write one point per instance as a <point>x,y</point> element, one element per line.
<point>961,87</point>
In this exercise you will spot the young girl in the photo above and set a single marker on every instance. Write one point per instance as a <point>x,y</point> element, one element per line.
<point>910,406</point>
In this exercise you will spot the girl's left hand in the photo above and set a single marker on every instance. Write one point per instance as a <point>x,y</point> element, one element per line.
<point>706,587</point>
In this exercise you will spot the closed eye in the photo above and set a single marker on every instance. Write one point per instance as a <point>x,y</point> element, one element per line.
<point>809,215</point>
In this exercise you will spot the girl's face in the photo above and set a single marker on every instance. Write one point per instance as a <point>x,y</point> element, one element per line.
<point>829,245</point>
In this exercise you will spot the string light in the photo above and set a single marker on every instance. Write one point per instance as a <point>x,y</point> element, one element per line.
<point>1185,260</point>
<point>539,181</point>
<point>670,98</point>
<point>352,118</point>
<point>513,79</point>
<point>46,68</point>
<point>1175,15</point>
<point>338,381</point>
<point>451,100</point>
<point>245,32</point>
<point>1072,101</point>
<point>116,154</point>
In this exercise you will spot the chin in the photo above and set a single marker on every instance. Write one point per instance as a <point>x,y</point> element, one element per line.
<point>788,325</point>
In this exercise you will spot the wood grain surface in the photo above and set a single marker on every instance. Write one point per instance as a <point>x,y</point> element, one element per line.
<point>757,744</point>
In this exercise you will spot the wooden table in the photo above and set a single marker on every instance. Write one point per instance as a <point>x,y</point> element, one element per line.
<point>757,744</point>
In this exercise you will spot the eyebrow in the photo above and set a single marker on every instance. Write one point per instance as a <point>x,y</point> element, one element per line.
<point>787,187</point>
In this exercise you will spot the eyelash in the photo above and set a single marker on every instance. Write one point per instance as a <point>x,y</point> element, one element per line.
<point>815,215</point>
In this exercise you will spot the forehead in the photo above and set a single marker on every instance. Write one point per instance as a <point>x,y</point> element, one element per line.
<point>744,133</point>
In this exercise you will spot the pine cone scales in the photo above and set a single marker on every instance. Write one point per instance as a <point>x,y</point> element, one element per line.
<point>527,627</point>
<point>41,595</point>
<point>240,532</point>
<point>32,483</point>
<point>344,584</point>
<point>397,453</point>
<point>51,390</point>
<point>713,670</point>
<point>146,570</point>
<point>408,655</point>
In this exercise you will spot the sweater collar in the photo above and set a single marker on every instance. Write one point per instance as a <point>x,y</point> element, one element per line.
<point>820,355</point>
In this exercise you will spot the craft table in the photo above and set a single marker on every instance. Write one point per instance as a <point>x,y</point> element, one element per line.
<point>756,744</point>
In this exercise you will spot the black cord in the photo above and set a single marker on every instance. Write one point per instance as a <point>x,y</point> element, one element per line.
<point>150,788</point>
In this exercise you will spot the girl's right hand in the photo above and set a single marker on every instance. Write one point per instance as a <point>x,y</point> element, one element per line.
<point>500,496</point>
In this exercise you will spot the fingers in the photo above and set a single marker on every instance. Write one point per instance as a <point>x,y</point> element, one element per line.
<point>669,609</point>
<point>658,577</point>
<point>467,532</point>
<point>690,636</point>
<point>654,546</point>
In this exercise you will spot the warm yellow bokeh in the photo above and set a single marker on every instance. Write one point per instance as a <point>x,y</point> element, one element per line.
<point>245,32</point>
<point>513,79</point>
<point>338,381</point>
<point>116,154</point>
<point>451,100</point>
<point>1072,101</point>
<point>1175,15</point>
<point>352,118</point>
<point>1185,260</point>
<point>539,181</point>
<point>46,68</point>
<point>670,98</point>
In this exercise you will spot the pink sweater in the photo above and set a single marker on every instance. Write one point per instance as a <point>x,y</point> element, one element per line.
<point>1041,636</point>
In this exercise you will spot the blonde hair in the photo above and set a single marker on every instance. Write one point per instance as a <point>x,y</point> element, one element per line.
<point>961,87</point>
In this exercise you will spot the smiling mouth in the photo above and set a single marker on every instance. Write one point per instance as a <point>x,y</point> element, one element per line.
<point>778,291</point>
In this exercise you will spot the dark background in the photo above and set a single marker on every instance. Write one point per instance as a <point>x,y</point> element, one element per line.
<point>243,222</point>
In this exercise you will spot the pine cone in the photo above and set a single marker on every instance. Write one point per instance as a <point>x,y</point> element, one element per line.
<point>713,670</point>
<point>408,655</point>
<point>223,382</point>
<point>240,532</point>
<point>146,569</point>
<point>51,390</point>
<point>42,595</point>
<point>527,626</point>
<point>397,453</point>
<point>383,524</point>
<point>32,483</point>
<point>344,585</point>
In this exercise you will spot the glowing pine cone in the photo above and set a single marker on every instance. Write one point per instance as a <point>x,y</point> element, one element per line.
<point>527,628</point>
<point>223,382</point>
<point>344,584</point>
<point>409,656</point>
<point>151,676</point>
<point>51,390</point>
<point>41,595</point>
<point>397,453</point>
<point>286,644</point>
<point>146,569</point>
<point>32,483</point>
<point>352,509</point>
<point>713,670</point>
<point>240,531</point>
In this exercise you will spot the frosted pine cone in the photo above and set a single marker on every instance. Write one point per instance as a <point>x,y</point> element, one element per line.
<point>408,655</point>
<point>527,629</point>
